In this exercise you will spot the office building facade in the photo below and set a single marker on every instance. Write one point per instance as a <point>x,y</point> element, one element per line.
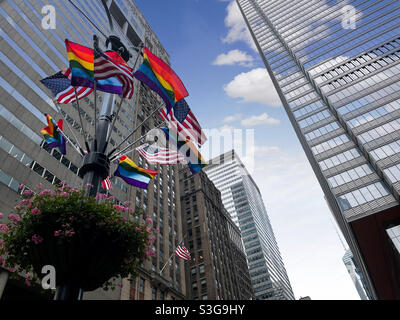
<point>31,50</point>
<point>218,268</point>
<point>242,199</point>
<point>335,66</point>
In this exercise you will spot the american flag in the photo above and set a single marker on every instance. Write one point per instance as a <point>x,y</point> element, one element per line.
<point>183,121</point>
<point>110,64</point>
<point>106,183</point>
<point>182,252</point>
<point>159,155</point>
<point>60,86</point>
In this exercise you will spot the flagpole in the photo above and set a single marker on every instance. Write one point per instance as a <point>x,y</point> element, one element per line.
<point>112,124</point>
<point>134,130</point>
<point>95,115</point>
<point>171,255</point>
<point>67,138</point>
<point>69,127</point>
<point>130,145</point>
<point>80,119</point>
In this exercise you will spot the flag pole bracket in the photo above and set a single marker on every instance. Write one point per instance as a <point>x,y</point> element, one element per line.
<point>95,162</point>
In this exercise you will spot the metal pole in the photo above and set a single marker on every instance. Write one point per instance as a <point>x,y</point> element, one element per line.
<point>80,119</point>
<point>134,130</point>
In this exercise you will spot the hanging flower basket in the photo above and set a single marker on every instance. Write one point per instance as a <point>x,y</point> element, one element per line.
<point>88,240</point>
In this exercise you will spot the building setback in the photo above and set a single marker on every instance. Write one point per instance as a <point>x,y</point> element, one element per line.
<point>242,199</point>
<point>29,53</point>
<point>336,70</point>
<point>218,269</point>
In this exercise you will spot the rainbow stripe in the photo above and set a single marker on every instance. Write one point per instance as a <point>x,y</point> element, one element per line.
<point>192,156</point>
<point>160,78</point>
<point>81,63</point>
<point>52,136</point>
<point>132,174</point>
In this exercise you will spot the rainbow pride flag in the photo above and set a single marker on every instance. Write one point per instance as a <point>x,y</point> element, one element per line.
<point>53,137</point>
<point>81,63</point>
<point>159,77</point>
<point>132,174</point>
<point>192,156</point>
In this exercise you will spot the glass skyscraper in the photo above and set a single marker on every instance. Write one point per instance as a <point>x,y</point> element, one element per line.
<point>242,199</point>
<point>335,65</point>
<point>356,275</point>
<point>32,49</point>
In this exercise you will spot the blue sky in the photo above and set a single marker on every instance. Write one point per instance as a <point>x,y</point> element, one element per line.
<point>195,33</point>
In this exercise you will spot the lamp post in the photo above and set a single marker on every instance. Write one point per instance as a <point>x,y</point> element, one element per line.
<point>96,163</point>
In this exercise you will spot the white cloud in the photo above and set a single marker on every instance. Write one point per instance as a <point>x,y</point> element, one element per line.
<point>237,28</point>
<point>301,222</point>
<point>227,127</point>
<point>232,118</point>
<point>253,86</point>
<point>259,120</point>
<point>234,57</point>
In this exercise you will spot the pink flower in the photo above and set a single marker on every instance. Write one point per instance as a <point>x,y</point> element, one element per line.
<point>126,203</point>
<point>36,211</point>
<point>27,193</point>
<point>137,229</point>
<point>39,187</point>
<point>152,239</point>
<point>127,261</point>
<point>45,192</point>
<point>71,218</point>
<point>1,215</point>
<point>21,186</point>
<point>69,233</point>
<point>123,219</point>
<point>1,242</point>
<point>37,239</point>
<point>27,282</point>
<point>17,207</point>
<point>28,274</point>
<point>14,218</point>
<point>118,207</point>
<point>157,230</point>
<point>121,285</point>
<point>4,228</point>
<point>58,233</point>
<point>149,221</point>
<point>88,185</point>
<point>64,194</point>
<point>148,229</point>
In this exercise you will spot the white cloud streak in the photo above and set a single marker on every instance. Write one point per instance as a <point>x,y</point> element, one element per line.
<point>234,57</point>
<point>262,119</point>
<point>253,86</point>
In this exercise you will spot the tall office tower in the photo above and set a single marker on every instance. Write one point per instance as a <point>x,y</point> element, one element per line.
<point>31,50</point>
<point>335,66</point>
<point>218,268</point>
<point>356,275</point>
<point>242,199</point>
